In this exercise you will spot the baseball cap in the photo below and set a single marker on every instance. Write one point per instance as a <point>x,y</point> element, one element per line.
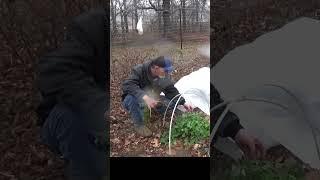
<point>168,64</point>
<point>164,62</point>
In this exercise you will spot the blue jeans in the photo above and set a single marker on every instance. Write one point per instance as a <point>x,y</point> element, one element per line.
<point>84,151</point>
<point>135,107</point>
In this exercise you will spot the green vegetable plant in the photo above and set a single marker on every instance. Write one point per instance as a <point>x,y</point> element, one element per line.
<point>264,170</point>
<point>191,128</point>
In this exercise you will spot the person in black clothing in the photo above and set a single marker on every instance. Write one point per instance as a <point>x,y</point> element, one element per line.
<point>231,127</point>
<point>72,82</point>
<point>143,87</point>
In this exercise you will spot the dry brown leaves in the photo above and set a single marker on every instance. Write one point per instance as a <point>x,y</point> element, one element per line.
<point>22,156</point>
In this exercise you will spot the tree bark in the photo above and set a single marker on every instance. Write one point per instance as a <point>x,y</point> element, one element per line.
<point>113,17</point>
<point>197,15</point>
<point>136,18</point>
<point>184,21</point>
<point>122,23</point>
<point>166,17</point>
<point>202,12</point>
<point>125,16</point>
<point>159,19</point>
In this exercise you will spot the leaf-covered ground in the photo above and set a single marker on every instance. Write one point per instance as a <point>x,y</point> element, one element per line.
<point>22,154</point>
<point>124,141</point>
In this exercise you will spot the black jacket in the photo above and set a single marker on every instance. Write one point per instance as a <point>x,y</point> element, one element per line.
<point>230,125</point>
<point>140,82</point>
<point>77,73</point>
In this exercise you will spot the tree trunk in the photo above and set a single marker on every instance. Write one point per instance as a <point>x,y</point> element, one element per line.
<point>122,23</point>
<point>202,12</point>
<point>121,20</point>
<point>159,19</point>
<point>166,17</point>
<point>125,16</point>
<point>197,15</point>
<point>184,21</point>
<point>136,18</point>
<point>192,17</point>
<point>113,18</point>
<point>132,23</point>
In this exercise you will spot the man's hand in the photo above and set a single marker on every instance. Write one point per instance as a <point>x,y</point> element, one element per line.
<point>151,103</point>
<point>188,107</point>
<point>251,146</point>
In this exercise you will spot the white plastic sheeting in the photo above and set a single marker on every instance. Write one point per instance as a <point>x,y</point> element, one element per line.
<point>139,26</point>
<point>196,87</point>
<point>287,58</point>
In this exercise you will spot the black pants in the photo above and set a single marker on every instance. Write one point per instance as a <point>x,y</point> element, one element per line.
<point>84,151</point>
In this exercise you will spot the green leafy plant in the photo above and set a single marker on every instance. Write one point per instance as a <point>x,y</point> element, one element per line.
<point>189,127</point>
<point>264,170</point>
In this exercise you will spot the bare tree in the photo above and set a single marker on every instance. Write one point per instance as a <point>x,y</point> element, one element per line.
<point>125,16</point>
<point>121,17</point>
<point>113,17</point>
<point>197,10</point>
<point>164,12</point>
<point>159,18</point>
<point>202,12</point>
<point>184,21</point>
<point>197,14</point>
<point>166,16</point>
<point>135,12</point>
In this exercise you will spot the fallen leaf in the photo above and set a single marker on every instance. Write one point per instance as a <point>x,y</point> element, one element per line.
<point>116,141</point>
<point>155,142</point>
<point>126,142</point>
<point>131,136</point>
<point>196,146</point>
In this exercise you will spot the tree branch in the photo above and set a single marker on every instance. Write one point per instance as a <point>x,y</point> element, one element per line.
<point>152,6</point>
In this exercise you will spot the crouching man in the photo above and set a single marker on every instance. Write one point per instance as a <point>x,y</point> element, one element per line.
<point>143,87</point>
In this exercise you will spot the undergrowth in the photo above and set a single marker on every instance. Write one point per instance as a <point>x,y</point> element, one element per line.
<point>191,128</point>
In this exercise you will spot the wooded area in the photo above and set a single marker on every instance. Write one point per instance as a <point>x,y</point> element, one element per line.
<point>161,19</point>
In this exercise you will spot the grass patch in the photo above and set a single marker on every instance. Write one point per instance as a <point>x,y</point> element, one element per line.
<point>263,170</point>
